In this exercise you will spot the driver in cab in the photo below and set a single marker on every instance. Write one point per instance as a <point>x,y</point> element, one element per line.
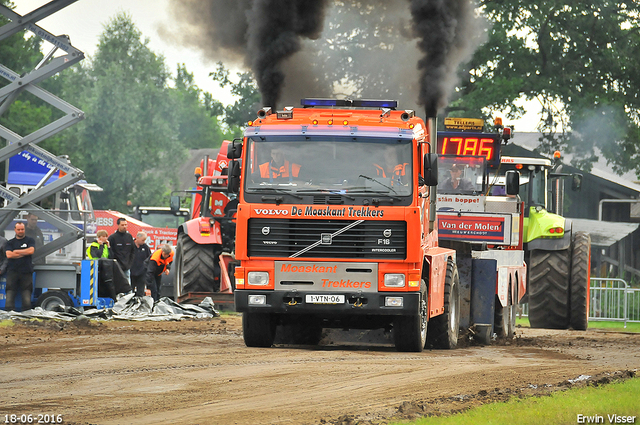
<point>392,168</point>
<point>279,168</point>
<point>456,181</point>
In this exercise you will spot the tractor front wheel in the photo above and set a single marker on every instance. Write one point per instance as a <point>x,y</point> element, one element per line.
<point>196,267</point>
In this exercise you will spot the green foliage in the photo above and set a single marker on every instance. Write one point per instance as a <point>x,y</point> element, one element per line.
<point>129,142</point>
<point>578,59</point>
<point>248,103</point>
<point>196,113</point>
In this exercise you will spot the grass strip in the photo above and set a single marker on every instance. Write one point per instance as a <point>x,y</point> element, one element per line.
<point>610,326</point>
<point>600,404</point>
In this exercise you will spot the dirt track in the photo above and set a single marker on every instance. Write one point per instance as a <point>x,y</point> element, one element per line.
<point>200,372</point>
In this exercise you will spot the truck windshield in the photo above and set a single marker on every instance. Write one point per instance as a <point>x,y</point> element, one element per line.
<point>347,165</point>
<point>461,174</point>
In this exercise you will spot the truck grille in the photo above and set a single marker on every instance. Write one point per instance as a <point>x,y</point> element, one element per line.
<point>285,238</point>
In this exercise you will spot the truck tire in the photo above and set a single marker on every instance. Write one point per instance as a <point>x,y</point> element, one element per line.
<point>445,328</point>
<point>258,329</point>
<point>195,267</point>
<point>410,332</point>
<point>54,301</point>
<point>505,318</point>
<point>549,289</point>
<point>580,278</point>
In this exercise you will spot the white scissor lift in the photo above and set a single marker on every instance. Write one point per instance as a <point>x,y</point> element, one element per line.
<point>59,262</point>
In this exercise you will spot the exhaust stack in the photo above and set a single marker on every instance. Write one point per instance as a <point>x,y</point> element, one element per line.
<point>433,143</point>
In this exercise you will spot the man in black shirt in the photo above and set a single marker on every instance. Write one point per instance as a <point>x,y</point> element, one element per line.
<point>19,268</point>
<point>122,247</point>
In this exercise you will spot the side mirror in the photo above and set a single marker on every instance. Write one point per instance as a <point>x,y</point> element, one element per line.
<point>174,204</point>
<point>431,169</point>
<point>234,151</point>
<point>576,182</point>
<point>233,185</point>
<point>512,182</point>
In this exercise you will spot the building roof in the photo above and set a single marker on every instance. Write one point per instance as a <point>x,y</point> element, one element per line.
<point>601,168</point>
<point>604,233</point>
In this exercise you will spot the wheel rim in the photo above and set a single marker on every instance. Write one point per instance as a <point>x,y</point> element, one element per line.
<point>51,303</point>
<point>178,272</point>
<point>423,320</point>
<point>453,307</point>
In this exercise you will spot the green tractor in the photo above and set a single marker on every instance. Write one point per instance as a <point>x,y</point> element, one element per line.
<point>557,256</point>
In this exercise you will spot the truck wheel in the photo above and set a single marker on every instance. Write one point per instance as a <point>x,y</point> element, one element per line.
<point>195,267</point>
<point>445,328</point>
<point>54,301</point>
<point>258,329</point>
<point>580,278</point>
<point>505,318</point>
<point>549,289</point>
<point>410,332</point>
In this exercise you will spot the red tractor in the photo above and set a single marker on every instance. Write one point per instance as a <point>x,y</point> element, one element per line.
<point>205,261</point>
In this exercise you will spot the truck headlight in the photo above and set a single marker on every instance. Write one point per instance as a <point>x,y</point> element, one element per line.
<point>394,280</point>
<point>393,301</point>
<point>258,278</point>
<point>257,299</point>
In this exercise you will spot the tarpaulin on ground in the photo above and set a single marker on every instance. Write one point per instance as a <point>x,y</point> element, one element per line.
<point>128,307</point>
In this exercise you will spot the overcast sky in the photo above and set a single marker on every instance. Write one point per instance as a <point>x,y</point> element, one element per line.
<point>84,21</point>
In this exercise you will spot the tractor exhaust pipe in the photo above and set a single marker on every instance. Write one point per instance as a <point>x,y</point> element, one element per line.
<point>433,142</point>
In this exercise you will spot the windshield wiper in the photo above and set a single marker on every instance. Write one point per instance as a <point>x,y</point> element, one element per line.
<point>325,192</point>
<point>276,190</point>
<point>379,182</point>
<point>364,190</point>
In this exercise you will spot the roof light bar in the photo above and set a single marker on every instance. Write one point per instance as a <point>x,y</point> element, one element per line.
<point>364,103</point>
<point>357,103</point>
<point>324,102</point>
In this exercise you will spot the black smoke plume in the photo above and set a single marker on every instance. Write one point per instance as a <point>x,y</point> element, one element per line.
<point>448,33</point>
<point>272,38</point>
<point>275,29</point>
<point>262,34</point>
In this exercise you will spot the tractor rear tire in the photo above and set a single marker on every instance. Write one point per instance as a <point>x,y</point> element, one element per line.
<point>54,301</point>
<point>445,328</point>
<point>580,278</point>
<point>258,329</point>
<point>549,289</point>
<point>195,268</point>
<point>410,332</point>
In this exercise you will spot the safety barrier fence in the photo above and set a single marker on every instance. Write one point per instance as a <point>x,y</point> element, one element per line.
<point>610,300</point>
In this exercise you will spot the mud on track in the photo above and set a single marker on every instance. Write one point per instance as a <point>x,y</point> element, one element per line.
<point>200,372</point>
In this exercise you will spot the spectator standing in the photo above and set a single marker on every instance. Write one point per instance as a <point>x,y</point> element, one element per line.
<point>159,263</point>
<point>100,247</point>
<point>19,268</point>
<point>139,267</point>
<point>122,246</point>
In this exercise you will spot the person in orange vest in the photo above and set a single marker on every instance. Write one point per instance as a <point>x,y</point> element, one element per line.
<point>279,168</point>
<point>159,264</point>
<point>392,168</point>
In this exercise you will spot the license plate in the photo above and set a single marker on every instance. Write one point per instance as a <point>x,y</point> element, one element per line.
<point>325,299</point>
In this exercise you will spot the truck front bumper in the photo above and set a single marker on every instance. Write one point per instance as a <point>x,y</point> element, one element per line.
<point>355,303</point>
